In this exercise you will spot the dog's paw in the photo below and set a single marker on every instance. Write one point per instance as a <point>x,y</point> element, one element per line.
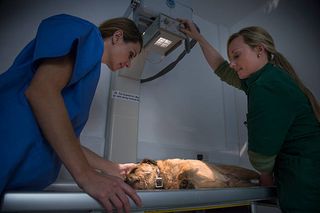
<point>186,184</point>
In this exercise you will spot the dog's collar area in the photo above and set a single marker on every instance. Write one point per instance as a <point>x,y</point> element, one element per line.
<point>159,180</point>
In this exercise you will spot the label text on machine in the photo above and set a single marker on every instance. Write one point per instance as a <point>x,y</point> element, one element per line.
<point>116,94</point>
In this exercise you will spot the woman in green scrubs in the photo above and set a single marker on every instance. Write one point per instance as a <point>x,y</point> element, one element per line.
<point>283,115</point>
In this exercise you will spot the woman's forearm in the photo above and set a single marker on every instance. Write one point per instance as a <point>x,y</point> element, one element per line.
<point>264,164</point>
<point>212,56</point>
<point>46,101</point>
<point>100,163</point>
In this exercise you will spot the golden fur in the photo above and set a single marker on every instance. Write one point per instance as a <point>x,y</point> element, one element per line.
<point>187,174</point>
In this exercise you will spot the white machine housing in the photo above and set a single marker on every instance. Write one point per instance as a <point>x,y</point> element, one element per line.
<point>123,115</point>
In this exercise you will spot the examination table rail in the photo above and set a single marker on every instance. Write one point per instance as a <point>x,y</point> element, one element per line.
<point>68,197</point>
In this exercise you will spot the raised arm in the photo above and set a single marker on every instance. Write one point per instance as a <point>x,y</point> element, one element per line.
<point>212,56</point>
<point>218,64</point>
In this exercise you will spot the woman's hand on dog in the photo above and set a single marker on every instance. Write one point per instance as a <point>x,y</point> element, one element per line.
<point>109,190</point>
<point>126,168</point>
<point>114,169</point>
<point>266,179</point>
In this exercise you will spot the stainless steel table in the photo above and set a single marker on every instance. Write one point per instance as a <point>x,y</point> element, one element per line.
<point>68,197</point>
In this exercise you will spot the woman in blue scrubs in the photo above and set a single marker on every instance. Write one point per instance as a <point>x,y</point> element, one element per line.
<point>283,117</point>
<point>45,100</point>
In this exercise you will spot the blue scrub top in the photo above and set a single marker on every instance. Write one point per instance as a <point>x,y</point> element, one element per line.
<point>27,161</point>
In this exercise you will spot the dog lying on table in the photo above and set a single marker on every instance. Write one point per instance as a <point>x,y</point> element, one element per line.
<point>188,174</point>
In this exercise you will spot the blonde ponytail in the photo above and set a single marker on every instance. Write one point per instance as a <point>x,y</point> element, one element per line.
<point>282,62</point>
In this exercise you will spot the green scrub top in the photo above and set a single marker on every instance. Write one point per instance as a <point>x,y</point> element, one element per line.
<point>281,123</point>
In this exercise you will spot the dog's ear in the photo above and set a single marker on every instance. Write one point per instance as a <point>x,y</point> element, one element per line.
<point>149,161</point>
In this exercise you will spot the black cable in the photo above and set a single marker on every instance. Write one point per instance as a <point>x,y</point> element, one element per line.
<point>188,47</point>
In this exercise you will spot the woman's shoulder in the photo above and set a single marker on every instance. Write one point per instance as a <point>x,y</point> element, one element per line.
<point>67,27</point>
<point>66,18</point>
<point>277,81</point>
<point>274,74</point>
